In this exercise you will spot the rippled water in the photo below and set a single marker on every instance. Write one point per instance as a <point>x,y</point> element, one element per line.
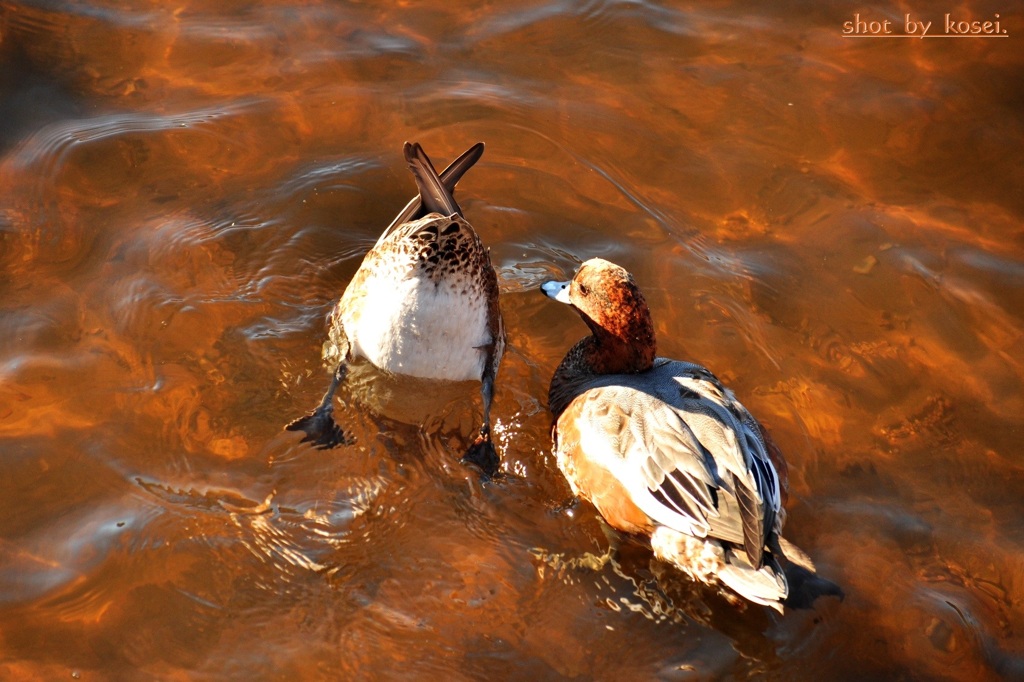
<point>832,225</point>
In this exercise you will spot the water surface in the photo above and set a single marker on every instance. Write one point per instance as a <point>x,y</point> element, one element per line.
<point>833,225</point>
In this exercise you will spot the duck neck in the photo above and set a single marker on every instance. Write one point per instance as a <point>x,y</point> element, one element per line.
<point>600,354</point>
<point>624,348</point>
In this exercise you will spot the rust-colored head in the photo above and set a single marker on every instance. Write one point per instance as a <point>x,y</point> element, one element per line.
<point>609,301</point>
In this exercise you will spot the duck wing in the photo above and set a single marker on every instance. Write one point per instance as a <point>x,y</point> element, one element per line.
<point>690,454</point>
<point>450,177</point>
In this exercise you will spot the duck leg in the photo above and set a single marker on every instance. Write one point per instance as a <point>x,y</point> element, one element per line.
<point>482,453</point>
<point>319,425</point>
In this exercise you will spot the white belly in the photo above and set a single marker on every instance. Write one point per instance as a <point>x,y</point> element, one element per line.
<point>422,329</point>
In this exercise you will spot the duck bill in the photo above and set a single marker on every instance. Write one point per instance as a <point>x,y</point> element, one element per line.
<point>556,290</point>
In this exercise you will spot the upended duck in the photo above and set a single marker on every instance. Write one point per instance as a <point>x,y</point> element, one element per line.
<point>423,303</point>
<point>662,449</point>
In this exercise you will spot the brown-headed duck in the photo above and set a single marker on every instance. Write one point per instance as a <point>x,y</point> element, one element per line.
<point>663,450</point>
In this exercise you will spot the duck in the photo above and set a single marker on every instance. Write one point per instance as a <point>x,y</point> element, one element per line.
<point>423,303</point>
<point>664,451</point>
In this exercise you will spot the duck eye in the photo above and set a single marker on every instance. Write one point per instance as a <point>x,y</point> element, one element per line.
<point>584,290</point>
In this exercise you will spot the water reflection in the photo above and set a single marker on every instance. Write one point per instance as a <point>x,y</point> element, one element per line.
<point>832,226</point>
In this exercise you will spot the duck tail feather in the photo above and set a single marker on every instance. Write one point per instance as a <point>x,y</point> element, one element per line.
<point>450,177</point>
<point>805,585</point>
<point>766,585</point>
<point>436,198</point>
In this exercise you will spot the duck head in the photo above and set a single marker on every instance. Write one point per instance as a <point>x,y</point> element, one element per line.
<point>608,299</point>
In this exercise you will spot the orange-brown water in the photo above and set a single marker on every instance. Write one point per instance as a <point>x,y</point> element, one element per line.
<point>833,225</point>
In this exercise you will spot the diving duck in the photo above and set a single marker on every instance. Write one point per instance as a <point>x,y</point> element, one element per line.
<point>423,303</point>
<point>663,450</point>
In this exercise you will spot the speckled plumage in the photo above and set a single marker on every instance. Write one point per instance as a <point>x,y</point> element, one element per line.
<point>423,303</point>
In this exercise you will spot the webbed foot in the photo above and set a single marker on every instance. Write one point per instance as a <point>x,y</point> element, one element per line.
<point>482,455</point>
<point>321,430</point>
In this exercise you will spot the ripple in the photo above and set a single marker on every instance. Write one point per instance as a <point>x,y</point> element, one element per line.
<point>67,553</point>
<point>593,14</point>
<point>187,190</point>
<point>44,22</point>
<point>50,146</point>
<point>293,541</point>
<point>328,174</point>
